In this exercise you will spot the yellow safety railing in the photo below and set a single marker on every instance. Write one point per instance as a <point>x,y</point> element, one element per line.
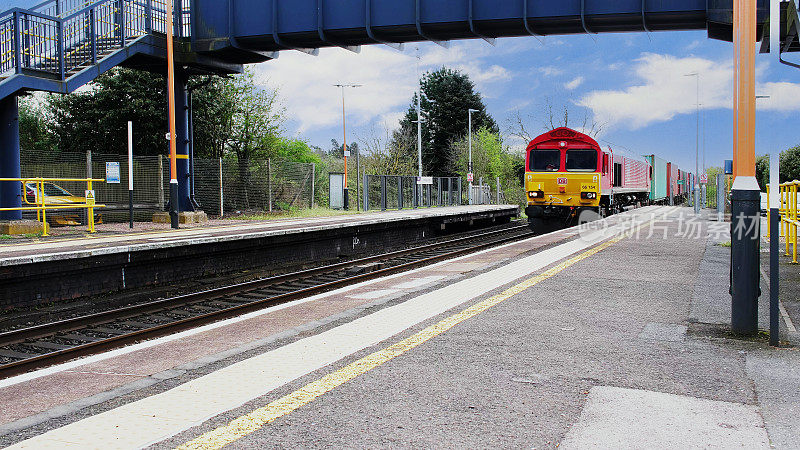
<point>789,217</point>
<point>40,204</point>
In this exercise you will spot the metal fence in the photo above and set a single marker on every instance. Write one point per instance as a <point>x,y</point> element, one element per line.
<point>221,186</point>
<point>148,191</point>
<point>398,192</point>
<point>483,194</point>
<point>226,186</point>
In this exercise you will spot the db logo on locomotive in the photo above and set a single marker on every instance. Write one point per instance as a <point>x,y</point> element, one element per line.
<point>562,181</point>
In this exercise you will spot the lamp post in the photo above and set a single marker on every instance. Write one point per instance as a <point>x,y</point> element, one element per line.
<point>344,147</point>
<point>469,166</point>
<point>695,186</point>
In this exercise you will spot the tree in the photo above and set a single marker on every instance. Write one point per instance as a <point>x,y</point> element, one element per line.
<point>762,171</point>
<point>789,167</point>
<point>551,117</point>
<point>213,106</point>
<point>337,150</point>
<point>255,125</point>
<point>386,155</point>
<point>446,96</point>
<point>97,117</point>
<point>256,120</point>
<point>491,160</point>
<point>790,164</point>
<point>35,133</point>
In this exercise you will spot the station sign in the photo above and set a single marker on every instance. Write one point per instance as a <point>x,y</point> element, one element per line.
<point>703,178</point>
<point>470,177</point>
<point>424,180</point>
<point>90,198</point>
<point>112,172</point>
<point>728,167</point>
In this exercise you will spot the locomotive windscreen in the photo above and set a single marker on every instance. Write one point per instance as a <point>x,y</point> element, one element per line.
<point>581,160</point>
<point>545,160</point>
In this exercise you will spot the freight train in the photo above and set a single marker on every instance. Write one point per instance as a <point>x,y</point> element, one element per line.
<point>568,174</point>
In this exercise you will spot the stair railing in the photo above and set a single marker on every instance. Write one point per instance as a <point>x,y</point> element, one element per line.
<point>59,38</point>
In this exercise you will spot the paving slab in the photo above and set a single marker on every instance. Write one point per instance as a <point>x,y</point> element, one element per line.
<point>631,419</point>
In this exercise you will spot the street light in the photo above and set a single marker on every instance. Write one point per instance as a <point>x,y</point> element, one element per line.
<point>469,167</point>
<point>697,149</point>
<point>344,131</point>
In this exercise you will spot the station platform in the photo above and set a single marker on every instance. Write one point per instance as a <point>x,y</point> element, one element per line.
<point>64,268</point>
<point>608,336</point>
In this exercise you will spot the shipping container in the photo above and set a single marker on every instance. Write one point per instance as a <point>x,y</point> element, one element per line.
<point>658,183</point>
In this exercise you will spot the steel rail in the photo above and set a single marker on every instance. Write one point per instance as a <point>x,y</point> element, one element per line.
<point>45,330</point>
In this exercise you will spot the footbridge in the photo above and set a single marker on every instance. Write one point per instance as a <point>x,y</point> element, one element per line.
<point>61,45</point>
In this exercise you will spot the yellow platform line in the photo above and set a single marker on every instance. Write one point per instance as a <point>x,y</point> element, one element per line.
<point>253,421</point>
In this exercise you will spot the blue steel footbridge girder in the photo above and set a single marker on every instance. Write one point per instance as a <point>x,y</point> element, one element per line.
<point>275,25</point>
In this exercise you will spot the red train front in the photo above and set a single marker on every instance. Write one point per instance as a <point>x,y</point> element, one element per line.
<point>568,173</point>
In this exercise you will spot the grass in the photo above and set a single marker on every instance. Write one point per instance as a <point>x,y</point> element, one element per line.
<point>297,213</point>
<point>7,237</point>
<point>725,244</point>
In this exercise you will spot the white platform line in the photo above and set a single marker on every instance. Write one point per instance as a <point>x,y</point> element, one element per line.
<point>786,319</point>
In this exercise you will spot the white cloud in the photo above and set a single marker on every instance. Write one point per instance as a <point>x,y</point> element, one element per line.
<point>783,96</point>
<point>665,91</point>
<point>389,79</point>
<point>572,85</point>
<point>550,71</point>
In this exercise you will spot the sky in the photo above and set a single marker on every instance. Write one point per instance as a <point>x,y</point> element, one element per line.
<point>633,85</point>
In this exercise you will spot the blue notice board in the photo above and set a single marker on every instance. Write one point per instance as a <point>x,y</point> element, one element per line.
<point>112,172</point>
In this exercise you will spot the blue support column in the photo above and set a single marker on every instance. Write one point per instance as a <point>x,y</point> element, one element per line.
<point>182,138</point>
<point>10,191</point>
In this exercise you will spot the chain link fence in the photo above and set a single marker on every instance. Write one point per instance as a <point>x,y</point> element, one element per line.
<point>254,186</point>
<point>221,186</point>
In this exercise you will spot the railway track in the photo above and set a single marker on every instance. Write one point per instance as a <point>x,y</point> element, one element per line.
<point>31,348</point>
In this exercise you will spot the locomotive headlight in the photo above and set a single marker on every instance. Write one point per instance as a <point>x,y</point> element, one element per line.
<point>536,194</point>
<point>588,195</point>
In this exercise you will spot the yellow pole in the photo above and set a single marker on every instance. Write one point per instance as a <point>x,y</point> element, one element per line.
<point>91,210</point>
<point>785,219</point>
<point>794,213</point>
<point>44,211</point>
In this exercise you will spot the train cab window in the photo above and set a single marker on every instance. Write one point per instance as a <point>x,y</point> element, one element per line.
<point>545,160</point>
<point>605,163</point>
<point>581,160</point>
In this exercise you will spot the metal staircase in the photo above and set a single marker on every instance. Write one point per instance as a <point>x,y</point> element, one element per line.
<point>60,45</point>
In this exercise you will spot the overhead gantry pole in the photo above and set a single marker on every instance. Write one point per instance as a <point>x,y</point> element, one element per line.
<point>745,193</point>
